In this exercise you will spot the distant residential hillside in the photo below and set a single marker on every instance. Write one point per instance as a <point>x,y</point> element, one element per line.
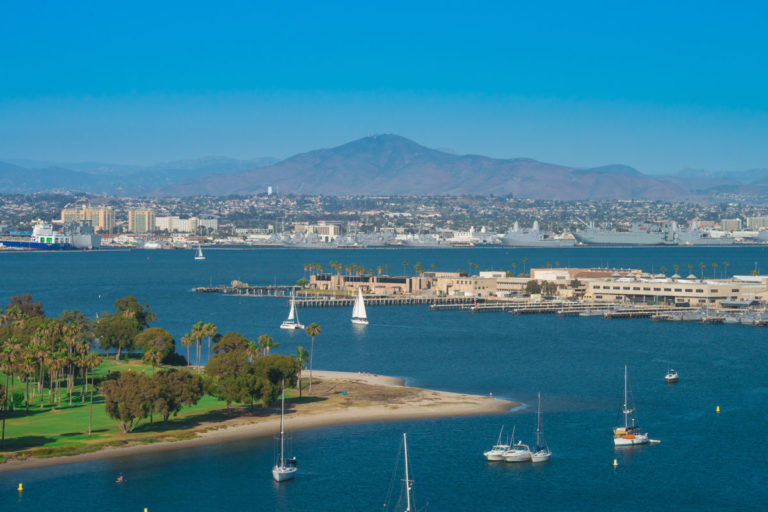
<point>390,164</point>
<point>381,164</point>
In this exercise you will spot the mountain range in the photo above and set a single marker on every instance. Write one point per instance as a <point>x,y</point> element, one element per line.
<point>377,165</point>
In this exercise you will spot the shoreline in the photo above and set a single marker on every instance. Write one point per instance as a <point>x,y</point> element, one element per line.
<point>412,403</point>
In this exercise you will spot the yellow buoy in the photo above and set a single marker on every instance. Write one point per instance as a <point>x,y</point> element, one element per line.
<point>615,462</point>
<point>717,410</point>
<point>21,487</point>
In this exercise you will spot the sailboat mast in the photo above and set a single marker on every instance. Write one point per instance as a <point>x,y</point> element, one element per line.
<point>407,482</point>
<point>626,412</point>
<point>282,433</point>
<point>538,424</point>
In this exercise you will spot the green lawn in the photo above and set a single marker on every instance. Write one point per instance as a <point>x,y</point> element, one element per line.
<point>44,432</point>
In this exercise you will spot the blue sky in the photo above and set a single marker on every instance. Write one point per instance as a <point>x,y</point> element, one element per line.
<point>659,86</point>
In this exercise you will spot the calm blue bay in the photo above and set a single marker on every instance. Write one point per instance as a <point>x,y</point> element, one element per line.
<point>704,462</point>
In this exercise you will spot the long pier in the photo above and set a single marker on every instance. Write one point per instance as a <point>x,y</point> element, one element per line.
<point>250,291</point>
<point>382,300</point>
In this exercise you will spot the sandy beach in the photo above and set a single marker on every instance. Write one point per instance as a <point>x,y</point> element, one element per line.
<point>350,398</point>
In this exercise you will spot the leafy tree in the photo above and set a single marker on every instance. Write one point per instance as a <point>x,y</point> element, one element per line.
<point>227,372</point>
<point>125,399</point>
<point>231,341</point>
<point>155,339</point>
<point>130,307</point>
<point>25,306</point>
<point>312,330</point>
<point>117,331</point>
<point>302,282</point>
<point>533,287</point>
<point>174,389</point>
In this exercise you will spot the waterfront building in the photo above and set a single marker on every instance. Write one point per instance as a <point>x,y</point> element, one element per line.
<point>102,218</point>
<point>327,231</point>
<point>141,221</point>
<point>377,284</point>
<point>175,224</point>
<point>731,224</point>
<point>673,291</point>
<point>757,223</point>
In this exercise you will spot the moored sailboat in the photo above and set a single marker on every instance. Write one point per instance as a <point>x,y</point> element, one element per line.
<point>629,434</point>
<point>359,315</point>
<point>199,255</point>
<point>292,322</point>
<point>285,467</point>
<point>496,453</point>
<point>541,452</point>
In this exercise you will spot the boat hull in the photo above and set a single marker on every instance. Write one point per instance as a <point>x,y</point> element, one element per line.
<point>360,321</point>
<point>542,456</point>
<point>494,455</point>
<point>634,440</point>
<point>291,326</point>
<point>282,474</point>
<point>518,456</point>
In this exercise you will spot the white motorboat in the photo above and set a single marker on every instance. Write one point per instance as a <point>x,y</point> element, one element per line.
<point>518,452</point>
<point>629,434</point>
<point>359,316</point>
<point>292,322</point>
<point>496,453</point>
<point>199,255</point>
<point>541,452</point>
<point>671,377</point>
<point>285,467</point>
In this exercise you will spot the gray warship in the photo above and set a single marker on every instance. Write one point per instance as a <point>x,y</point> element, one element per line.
<point>638,235</point>
<point>533,237</point>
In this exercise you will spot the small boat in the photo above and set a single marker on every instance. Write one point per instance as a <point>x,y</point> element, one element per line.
<point>199,254</point>
<point>285,468</point>
<point>292,322</point>
<point>629,434</point>
<point>359,316</point>
<point>541,452</point>
<point>671,377</point>
<point>518,452</point>
<point>496,453</point>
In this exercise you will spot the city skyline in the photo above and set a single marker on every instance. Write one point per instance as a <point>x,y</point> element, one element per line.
<point>660,88</point>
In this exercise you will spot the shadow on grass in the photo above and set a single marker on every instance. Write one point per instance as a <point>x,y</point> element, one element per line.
<point>25,442</point>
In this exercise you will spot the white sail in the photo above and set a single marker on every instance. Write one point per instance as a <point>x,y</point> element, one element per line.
<point>292,314</point>
<point>358,311</point>
<point>199,255</point>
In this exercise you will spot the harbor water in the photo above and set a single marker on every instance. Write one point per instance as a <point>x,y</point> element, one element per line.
<point>705,461</point>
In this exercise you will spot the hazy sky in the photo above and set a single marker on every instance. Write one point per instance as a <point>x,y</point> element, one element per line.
<point>659,86</point>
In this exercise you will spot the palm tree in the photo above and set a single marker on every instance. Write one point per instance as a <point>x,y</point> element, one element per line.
<point>469,264</point>
<point>379,269</point>
<point>93,361</point>
<point>153,357</point>
<point>514,266</point>
<point>702,266</point>
<point>252,351</point>
<point>405,273</point>
<point>714,270</point>
<point>266,342</point>
<point>524,260</point>
<point>187,340</point>
<point>663,269</point>
<point>725,268</point>
<point>676,267</point>
<point>301,356</point>
<point>209,330</point>
<point>690,269</point>
<point>312,330</point>
<point>198,333</point>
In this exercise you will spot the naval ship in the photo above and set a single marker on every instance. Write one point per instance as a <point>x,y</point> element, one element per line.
<point>694,236</point>
<point>533,237</point>
<point>639,234</point>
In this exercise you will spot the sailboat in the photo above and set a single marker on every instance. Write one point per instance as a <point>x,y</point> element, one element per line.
<point>629,434</point>
<point>199,254</point>
<point>292,322</point>
<point>358,311</point>
<point>408,487</point>
<point>284,468</point>
<point>496,453</point>
<point>541,452</point>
